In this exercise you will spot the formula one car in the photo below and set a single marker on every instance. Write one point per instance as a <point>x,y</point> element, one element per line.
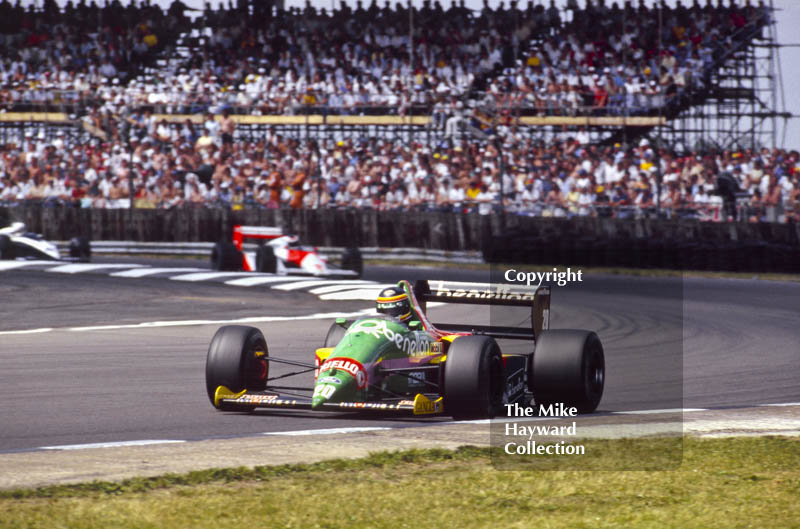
<point>280,254</point>
<point>17,243</point>
<point>380,364</point>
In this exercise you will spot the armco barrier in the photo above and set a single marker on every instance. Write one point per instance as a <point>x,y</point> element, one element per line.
<point>203,249</point>
<point>650,243</point>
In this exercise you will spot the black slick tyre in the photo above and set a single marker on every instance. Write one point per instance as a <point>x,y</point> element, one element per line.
<point>237,359</point>
<point>473,378</point>
<point>226,257</point>
<point>353,260</point>
<point>569,368</point>
<point>80,249</point>
<point>266,262</point>
<point>6,250</point>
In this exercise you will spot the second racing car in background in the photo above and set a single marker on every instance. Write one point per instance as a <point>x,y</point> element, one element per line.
<point>278,253</point>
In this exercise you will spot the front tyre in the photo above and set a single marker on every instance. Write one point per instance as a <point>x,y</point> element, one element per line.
<point>335,334</point>
<point>6,249</point>
<point>353,260</point>
<point>237,359</point>
<point>473,378</point>
<point>81,249</point>
<point>569,367</point>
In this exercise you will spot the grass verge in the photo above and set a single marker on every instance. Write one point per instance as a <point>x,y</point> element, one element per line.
<point>725,483</point>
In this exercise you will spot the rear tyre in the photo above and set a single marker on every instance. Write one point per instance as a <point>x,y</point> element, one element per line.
<point>80,249</point>
<point>473,378</point>
<point>266,262</point>
<point>226,257</point>
<point>568,367</point>
<point>237,359</point>
<point>6,251</point>
<point>352,260</point>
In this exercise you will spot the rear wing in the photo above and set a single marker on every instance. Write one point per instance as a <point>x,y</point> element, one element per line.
<point>240,233</point>
<point>500,294</point>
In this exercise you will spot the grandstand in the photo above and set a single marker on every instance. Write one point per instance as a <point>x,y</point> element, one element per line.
<point>598,108</point>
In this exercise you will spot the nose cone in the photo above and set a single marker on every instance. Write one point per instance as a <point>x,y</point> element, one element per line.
<point>339,380</point>
<point>317,402</point>
<point>330,387</point>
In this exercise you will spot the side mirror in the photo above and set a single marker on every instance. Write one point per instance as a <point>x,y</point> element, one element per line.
<point>341,322</point>
<point>414,325</point>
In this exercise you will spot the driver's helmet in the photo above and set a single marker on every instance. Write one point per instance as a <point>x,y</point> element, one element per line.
<point>393,301</point>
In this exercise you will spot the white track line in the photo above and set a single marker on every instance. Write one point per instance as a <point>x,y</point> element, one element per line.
<point>332,288</point>
<point>262,279</point>
<point>188,323</point>
<point>251,320</point>
<point>362,294</point>
<point>117,444</point>
<point>205,276</point>
<point>652,412</point>
<point>28,331</point>
<point>80,268</point>
<point>143,272</point>
<point>780,404</point>
<point>321,282</point>
<point>331,431</point>
<point>11,265</point>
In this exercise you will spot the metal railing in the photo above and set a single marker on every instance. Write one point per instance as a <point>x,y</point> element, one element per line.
<point>743,210</point>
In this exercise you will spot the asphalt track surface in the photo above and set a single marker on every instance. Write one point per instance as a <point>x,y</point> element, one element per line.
<point>670,343</point>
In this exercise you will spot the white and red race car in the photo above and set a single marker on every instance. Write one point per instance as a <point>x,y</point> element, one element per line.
<point>280,254</point>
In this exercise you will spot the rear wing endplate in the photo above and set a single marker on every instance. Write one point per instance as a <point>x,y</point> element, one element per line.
<point>501,294</point>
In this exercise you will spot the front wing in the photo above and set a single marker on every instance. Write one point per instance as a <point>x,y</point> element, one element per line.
<point>421,405</point>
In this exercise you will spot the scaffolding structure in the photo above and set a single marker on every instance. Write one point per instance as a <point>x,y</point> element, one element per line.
<point>743,106</point>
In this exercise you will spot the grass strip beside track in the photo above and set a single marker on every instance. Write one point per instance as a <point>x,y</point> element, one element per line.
<point>725,483</point>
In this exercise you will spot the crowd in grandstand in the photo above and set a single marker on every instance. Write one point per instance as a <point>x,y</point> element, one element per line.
<point>118,66</point>
<point>530,59</point>
<point>563,178</point>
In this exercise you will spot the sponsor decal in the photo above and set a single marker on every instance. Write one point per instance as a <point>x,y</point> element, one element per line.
<point>411,343</point>
<point>329,380</point>
<point>367,405</point>
<point>416,378</point>
<point>515,386</point>
<point>258,399</point>
<point>324,390</point>
<point>499,292</point>
<point>425,406</point>
<point>353,367</point>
